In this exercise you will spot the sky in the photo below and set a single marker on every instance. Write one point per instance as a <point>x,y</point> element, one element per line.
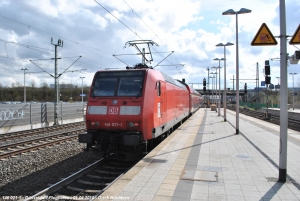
<point>92,31</point>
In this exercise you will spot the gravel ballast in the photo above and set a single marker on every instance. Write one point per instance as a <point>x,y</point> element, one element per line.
<point>26,174</point>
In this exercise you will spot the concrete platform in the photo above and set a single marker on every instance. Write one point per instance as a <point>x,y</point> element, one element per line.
<point>205,160</point>
<point>294,114</point>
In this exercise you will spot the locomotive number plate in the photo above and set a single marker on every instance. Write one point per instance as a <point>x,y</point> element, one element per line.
<point>113,124</point>
<point>113,110</point>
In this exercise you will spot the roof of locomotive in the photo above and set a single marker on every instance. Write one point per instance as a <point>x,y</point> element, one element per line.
<point>166,77</point>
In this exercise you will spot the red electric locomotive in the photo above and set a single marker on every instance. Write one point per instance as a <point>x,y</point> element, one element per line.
<point>128,110</point>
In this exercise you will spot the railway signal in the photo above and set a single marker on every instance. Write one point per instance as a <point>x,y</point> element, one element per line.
<point>267,68</point>
<point>267,80</point>
<point>267,72</point>
<point>204,84</point>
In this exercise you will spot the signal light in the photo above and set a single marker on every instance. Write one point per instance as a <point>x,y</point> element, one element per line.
<point>245,88</point>
<point>267,62</point>
<point>297,53</point>
<point>267,70</point>
<point>204,84</point>
<point>268,80</point>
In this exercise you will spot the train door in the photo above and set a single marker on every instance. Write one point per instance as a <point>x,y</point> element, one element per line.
<point>164,102</point>
<point>161,107</point>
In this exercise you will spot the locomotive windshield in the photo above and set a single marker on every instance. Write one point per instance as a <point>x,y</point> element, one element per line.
<point>118,83</point>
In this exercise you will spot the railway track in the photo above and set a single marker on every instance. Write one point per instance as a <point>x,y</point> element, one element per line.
<point>38,131</point>
<point>89,182</point>
<point>293,124</point>
<point>55,135</point>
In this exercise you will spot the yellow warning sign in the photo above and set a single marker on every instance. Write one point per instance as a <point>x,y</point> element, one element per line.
<point>296,37</point>
<point>264,37</point>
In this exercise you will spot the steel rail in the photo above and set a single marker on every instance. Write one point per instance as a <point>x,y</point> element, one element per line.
<point>25,133</point>
<point>32,148</point>
<point>55,187</point>
<point>38,139</point>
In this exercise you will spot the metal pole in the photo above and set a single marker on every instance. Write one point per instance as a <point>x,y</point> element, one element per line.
<point>225,90</point>
<point>278,93</point>
<point>82,90</point>
<point>283,95</point>
<point>293,92</point>
<point>216,87</point>
<point>219,89</point>
<point>237,78</point>
<point>56,95</point>
<point>24,89</point>
<point>208,84</point>
<point>257,85</point>
<point>212,89</point>
<point>208,77</point>
<point>61,114</point>
<point>267,103</point>
<point>82,98</point>
<point>24,69</point>
<point>55,88</point>
<point>30,116</point>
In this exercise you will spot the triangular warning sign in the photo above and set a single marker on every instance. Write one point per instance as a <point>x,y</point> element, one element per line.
<point>264,37</point>
<point>296,37</point>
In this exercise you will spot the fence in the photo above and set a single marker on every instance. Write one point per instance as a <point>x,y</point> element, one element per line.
<point>14,117</point>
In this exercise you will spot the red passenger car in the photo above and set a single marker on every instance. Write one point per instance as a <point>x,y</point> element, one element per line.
<point>195,98</point>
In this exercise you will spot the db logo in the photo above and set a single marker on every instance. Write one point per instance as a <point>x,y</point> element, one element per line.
<point>113,110</point>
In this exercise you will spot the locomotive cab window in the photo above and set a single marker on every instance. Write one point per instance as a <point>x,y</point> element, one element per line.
<point>118,83</point>
<point>130,86</point>
<point>105,87</point>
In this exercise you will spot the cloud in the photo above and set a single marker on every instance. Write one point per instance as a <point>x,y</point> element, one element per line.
<point>191,28</point>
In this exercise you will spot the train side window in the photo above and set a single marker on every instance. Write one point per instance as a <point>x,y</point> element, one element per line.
<point>158,88</point>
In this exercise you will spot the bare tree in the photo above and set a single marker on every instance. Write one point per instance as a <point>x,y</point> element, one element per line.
<point>18,84</point>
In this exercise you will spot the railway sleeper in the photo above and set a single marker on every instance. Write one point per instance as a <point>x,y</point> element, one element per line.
<point>101,177</point>
<point>91,183</point>
<point>108,172</point>
<point>82,190</point>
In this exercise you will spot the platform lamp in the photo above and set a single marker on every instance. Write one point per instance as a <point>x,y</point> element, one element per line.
<point>211,88</point>
<point>219,102</point>
<point>232,12</point>
<point>24,69</point>
<point>225,89</point>
<point>215,85</point>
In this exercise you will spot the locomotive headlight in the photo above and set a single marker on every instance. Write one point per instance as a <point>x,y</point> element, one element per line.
<point>94,123</point>
<point>133,124</point>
